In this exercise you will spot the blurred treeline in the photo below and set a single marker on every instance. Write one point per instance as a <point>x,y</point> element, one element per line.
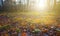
<point>23,5</point>
<point>12,5</point>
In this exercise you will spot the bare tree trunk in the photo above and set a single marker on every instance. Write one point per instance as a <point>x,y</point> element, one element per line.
<point>48,5</point>
<point>28,4</point>
<point>54,2</point>
<point>48,2</point>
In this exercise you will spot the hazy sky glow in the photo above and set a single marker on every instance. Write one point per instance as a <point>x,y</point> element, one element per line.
<point>41,4</point>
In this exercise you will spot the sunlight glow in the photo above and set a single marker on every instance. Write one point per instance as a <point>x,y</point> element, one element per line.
<point>41,4</point>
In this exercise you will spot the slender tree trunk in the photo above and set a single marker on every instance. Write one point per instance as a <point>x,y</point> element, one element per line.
<point>2,2</point>
<point>54,2</point>
<point>48,3</point>
<point>28,2</point>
